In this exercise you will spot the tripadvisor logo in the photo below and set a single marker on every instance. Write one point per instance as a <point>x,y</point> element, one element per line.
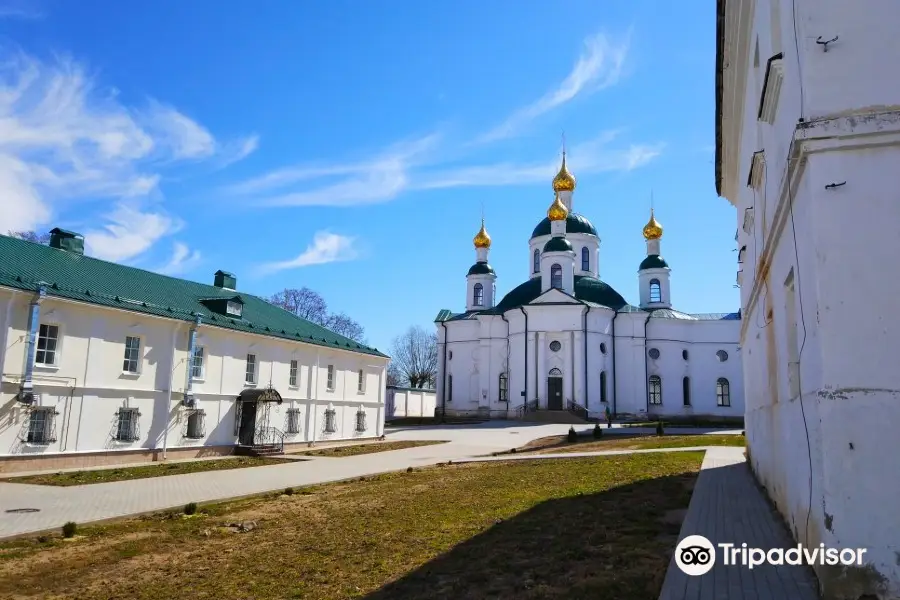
<point>696,555</point>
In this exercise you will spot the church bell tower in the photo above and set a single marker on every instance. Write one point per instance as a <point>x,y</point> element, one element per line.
<point>481,279</point>
<point>653,274</point>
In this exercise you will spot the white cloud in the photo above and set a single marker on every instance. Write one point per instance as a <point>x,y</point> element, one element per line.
<point>19,9</point>
<point>64,140</point>
<point>326,247</point>
<point>598,67</point>
<point>183,259</point>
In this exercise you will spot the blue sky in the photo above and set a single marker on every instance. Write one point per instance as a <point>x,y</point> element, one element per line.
<point>351,146</point>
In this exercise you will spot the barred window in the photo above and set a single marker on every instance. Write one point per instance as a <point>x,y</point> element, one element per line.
<point>42,425</point>
<point>654,389</point>
<point>360,420</point>
<point>330,420</point>
<point>293,420</point>
<point>48,339</point>
<point>504,388</point>
<point>196,425</point>
<point>127,427</point>
<point>292,378</point>
<point>132,360</point>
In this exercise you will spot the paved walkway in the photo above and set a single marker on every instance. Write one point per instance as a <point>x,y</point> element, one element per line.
<point>728,507</point>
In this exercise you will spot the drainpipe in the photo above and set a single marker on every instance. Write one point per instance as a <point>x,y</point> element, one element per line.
<point>189,385</point>
<point>584,315</point>
<point>646,367</point>
<point>26,392</point>
<point>613,359</point>
<point>508,369</point>
<point>522,308</point>
<point>443,377</point>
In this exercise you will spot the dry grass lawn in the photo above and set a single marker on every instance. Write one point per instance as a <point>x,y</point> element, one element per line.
<point>560,444</point>
<point>368,448</point>
<point>144,471</point>
<point>580,528</point>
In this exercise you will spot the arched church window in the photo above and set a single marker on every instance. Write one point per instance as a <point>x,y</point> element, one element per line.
<point>537,261</point>
<point>585,259</point>
<point>722,355</point>
<point>554,372</point>
<point>655,291</point>
<point>602,348</point>
<point>686,390</point>
<point>654,389</point>
<point>556,277</point>
<point>723,392</point>
<point>504,387</point>
<point>478,300</point>
<point>602,386</point>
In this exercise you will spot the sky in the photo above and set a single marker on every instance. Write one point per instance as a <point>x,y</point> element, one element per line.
<point>353,147</point>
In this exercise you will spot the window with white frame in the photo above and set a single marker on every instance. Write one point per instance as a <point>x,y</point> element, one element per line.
<point>250,376</point>
<point>330,420</point>
<point>329,381</point>
<point>478,295</point>
<point>655,291</point>
<point>585,259</point>
<point>127,425</point>
<point>293,421</point>
<point>654,389</point>
<point>47,345</point>
<point>292,377</point>
<point>556,277</point>
<point>360,420</point>
<point>197,363</point>
<point>41,425</point>
<point>361,382</point>
<point>723,392</point>
<point>196,425</point>
<point>132,362</point>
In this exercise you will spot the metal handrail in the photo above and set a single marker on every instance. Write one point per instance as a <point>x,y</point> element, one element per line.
<point>578,410</point>
<point>269,436</point>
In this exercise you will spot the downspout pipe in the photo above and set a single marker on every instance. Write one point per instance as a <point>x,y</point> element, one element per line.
<point>26,393</point>
<point>444,376</point>
<point>584,316</point>
<point>189,383</point>
<point>525,392</point>
<point>646,367</point>
<point>508,378</point>
<point>613,360</point>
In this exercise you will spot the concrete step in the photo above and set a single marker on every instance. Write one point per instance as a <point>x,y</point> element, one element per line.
<point>553,416</point>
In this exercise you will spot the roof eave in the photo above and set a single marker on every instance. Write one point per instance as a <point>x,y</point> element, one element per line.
<point>720,48</point>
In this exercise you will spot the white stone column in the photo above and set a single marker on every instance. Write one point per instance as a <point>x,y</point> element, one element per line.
<point>541,370</point>
<point>578,372</point>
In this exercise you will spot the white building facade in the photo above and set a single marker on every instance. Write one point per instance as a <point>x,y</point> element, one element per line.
<point>808,148</point>
<point>103,363</point>
<point>565,340</point>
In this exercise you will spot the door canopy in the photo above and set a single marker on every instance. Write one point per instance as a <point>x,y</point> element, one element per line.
<point>268,394</point>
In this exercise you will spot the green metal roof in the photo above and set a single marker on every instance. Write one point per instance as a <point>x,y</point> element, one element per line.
<point>654,261</point>
<point>481,268</point>
<point>587,289</point>
<point>558,244</point>
<point>24,265</point>
<point>575,223</point>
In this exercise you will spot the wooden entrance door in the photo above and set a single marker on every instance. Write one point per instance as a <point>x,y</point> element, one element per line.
<point>248,424</point>
<point>554,393</point>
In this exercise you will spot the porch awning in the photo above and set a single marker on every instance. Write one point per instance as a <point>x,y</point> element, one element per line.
<point>260,395</point>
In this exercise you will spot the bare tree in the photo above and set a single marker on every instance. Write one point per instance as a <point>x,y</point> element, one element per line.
<point>393,375</point>
<point>31,236</point>
<point>308,304</point>
<point>414,355</point>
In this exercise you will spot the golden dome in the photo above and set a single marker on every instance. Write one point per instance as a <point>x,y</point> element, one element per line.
<point>482,239</point>
<point>557,210</point>
<point>564,181</point>
<point>652,230</point>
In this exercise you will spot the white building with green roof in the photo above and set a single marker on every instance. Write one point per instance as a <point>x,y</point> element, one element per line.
<point>566,341</point>
<point>106,363</point>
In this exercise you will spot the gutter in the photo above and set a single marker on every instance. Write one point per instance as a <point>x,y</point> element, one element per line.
<point>508,378</point>
<point>720,77</point>
<point>26,391</point>
<point>584,315</point>
<point>613,358</point>
<point>444,376</point>
<point>646,367</point>
<point>526,357</point>
<point>192,343</point>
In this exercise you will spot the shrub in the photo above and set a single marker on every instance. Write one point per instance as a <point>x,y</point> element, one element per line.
<point>69,529</point>
<point>598,433</point>
<point>289,491</point>
<point>573,437</point>
<point>659,428</point>
<point>190,508</point>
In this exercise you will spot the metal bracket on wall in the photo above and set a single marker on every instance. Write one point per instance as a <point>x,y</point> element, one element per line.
<point>824,43</point>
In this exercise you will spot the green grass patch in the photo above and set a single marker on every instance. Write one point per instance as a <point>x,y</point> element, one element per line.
<point>370,448</point>
<point>560,443</point>
<point>144,471</point>
<point>580,528</point>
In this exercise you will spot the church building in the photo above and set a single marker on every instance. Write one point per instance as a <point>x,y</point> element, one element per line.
<point>564,340</point>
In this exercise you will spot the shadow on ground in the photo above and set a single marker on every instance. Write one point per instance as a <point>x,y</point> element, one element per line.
<point>613,544</point>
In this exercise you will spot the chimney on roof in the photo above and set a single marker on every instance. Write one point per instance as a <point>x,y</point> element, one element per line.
<point>225,280</point>
<point>67,240</point>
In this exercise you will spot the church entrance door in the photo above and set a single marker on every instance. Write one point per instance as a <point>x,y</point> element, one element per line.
<point>554,393</point>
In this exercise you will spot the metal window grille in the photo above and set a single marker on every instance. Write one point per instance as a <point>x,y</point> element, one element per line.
<point>127,427</point>
<point>132,354</point>
<point>330,420</point>
<point>504,388</point>
<point>42,425</point>
<point>293,420</point>
<point>654,389</point>
<point>196,424</point>
<point>48,339</point>
<point>360,420</point>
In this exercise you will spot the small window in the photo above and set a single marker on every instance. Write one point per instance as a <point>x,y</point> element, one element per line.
<point>556,277</point>
<point>329,381</point>
<point>602,348</point>
<point>555,346</point>
<point>292,377</point>
<point>684,354</point>
<point>537,261</point>
<point>722,355</point>
<point>127,427</point>
<point>47,343</point>
<point>196,425</point>
<point>197,363</point>
<point>655,291</point>
<point>654,353</point>
<point>654,390</point>
<point>602,386</point>
<point>42,425</point>
<point>585,259</point>
<point>250,376</point>
<point>234,308</point>
<point>478,299</point>
<point>293,421</point>
<point>450,355</point>
<point>132,360</point>
<point>449,388</point>
<point>723,392</point>
<point>330,420</point>
<point>686,390</point>
<point>361,382</point>
<point>504,388</point>
<point>360,421</point>
<point>554,372</point>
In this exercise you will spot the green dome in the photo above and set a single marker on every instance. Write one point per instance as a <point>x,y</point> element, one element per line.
<point>654,261</point>
<point>575,223</point>
<point>481,268</point>
<point>558,244</point>
<point>587,289</point>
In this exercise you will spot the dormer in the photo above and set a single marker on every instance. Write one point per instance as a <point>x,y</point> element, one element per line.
<point>226,306</point>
